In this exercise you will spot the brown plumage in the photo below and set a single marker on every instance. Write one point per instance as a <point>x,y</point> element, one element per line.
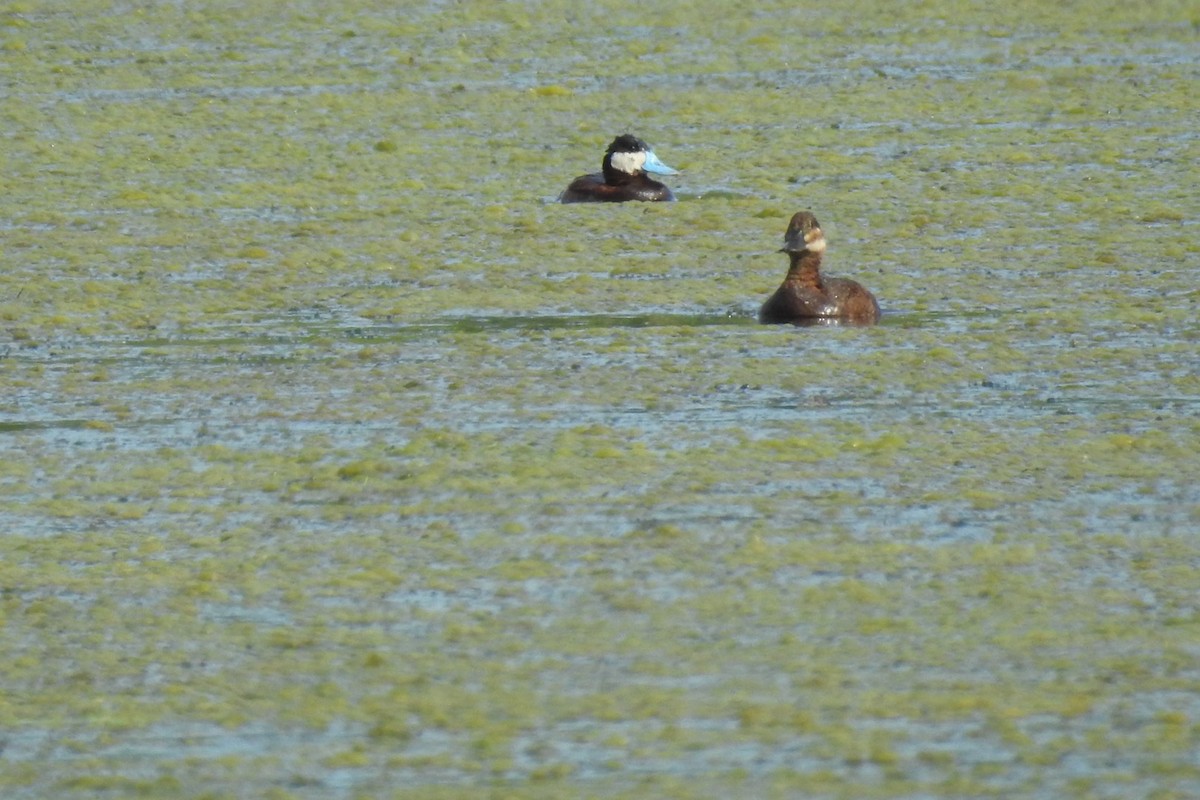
<point>807,296</point>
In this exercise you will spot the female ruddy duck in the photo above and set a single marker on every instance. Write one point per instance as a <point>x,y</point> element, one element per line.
<point>626,163</point>
<point>805,296</point>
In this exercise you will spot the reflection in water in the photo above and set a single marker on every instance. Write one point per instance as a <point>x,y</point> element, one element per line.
<point>830,322</point>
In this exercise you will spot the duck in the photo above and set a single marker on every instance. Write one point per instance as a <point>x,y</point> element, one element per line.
<point>623,176</point>
<point>806,296</point>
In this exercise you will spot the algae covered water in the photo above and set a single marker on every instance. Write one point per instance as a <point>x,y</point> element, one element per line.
<point>341,461</point>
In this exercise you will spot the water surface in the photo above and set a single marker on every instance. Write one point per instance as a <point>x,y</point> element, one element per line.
<point>340,461</point>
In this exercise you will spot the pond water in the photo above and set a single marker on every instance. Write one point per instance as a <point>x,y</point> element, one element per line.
<point>341,461</point>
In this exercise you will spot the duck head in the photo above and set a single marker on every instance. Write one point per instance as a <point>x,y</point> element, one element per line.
<point>628,156</point>
<point>803,234</point>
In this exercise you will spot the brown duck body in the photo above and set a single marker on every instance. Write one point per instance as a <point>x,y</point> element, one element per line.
<point>595,188</point>
<point>801,298</point>
<point>806,295</point>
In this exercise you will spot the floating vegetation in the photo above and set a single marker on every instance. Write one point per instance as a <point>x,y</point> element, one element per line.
<point>341,461</point>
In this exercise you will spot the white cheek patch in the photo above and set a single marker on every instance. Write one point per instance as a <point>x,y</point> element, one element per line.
<point>817,245</point>
<point>629,163</point>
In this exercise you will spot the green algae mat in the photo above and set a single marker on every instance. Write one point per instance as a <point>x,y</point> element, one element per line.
<point>339,461</point>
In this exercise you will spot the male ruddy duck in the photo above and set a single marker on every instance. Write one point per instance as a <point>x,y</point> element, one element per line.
<point>626,163</point>
<point>805,296</point>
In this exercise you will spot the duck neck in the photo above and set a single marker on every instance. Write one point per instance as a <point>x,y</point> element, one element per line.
<point>615,177</point>
<point>806,268</point>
